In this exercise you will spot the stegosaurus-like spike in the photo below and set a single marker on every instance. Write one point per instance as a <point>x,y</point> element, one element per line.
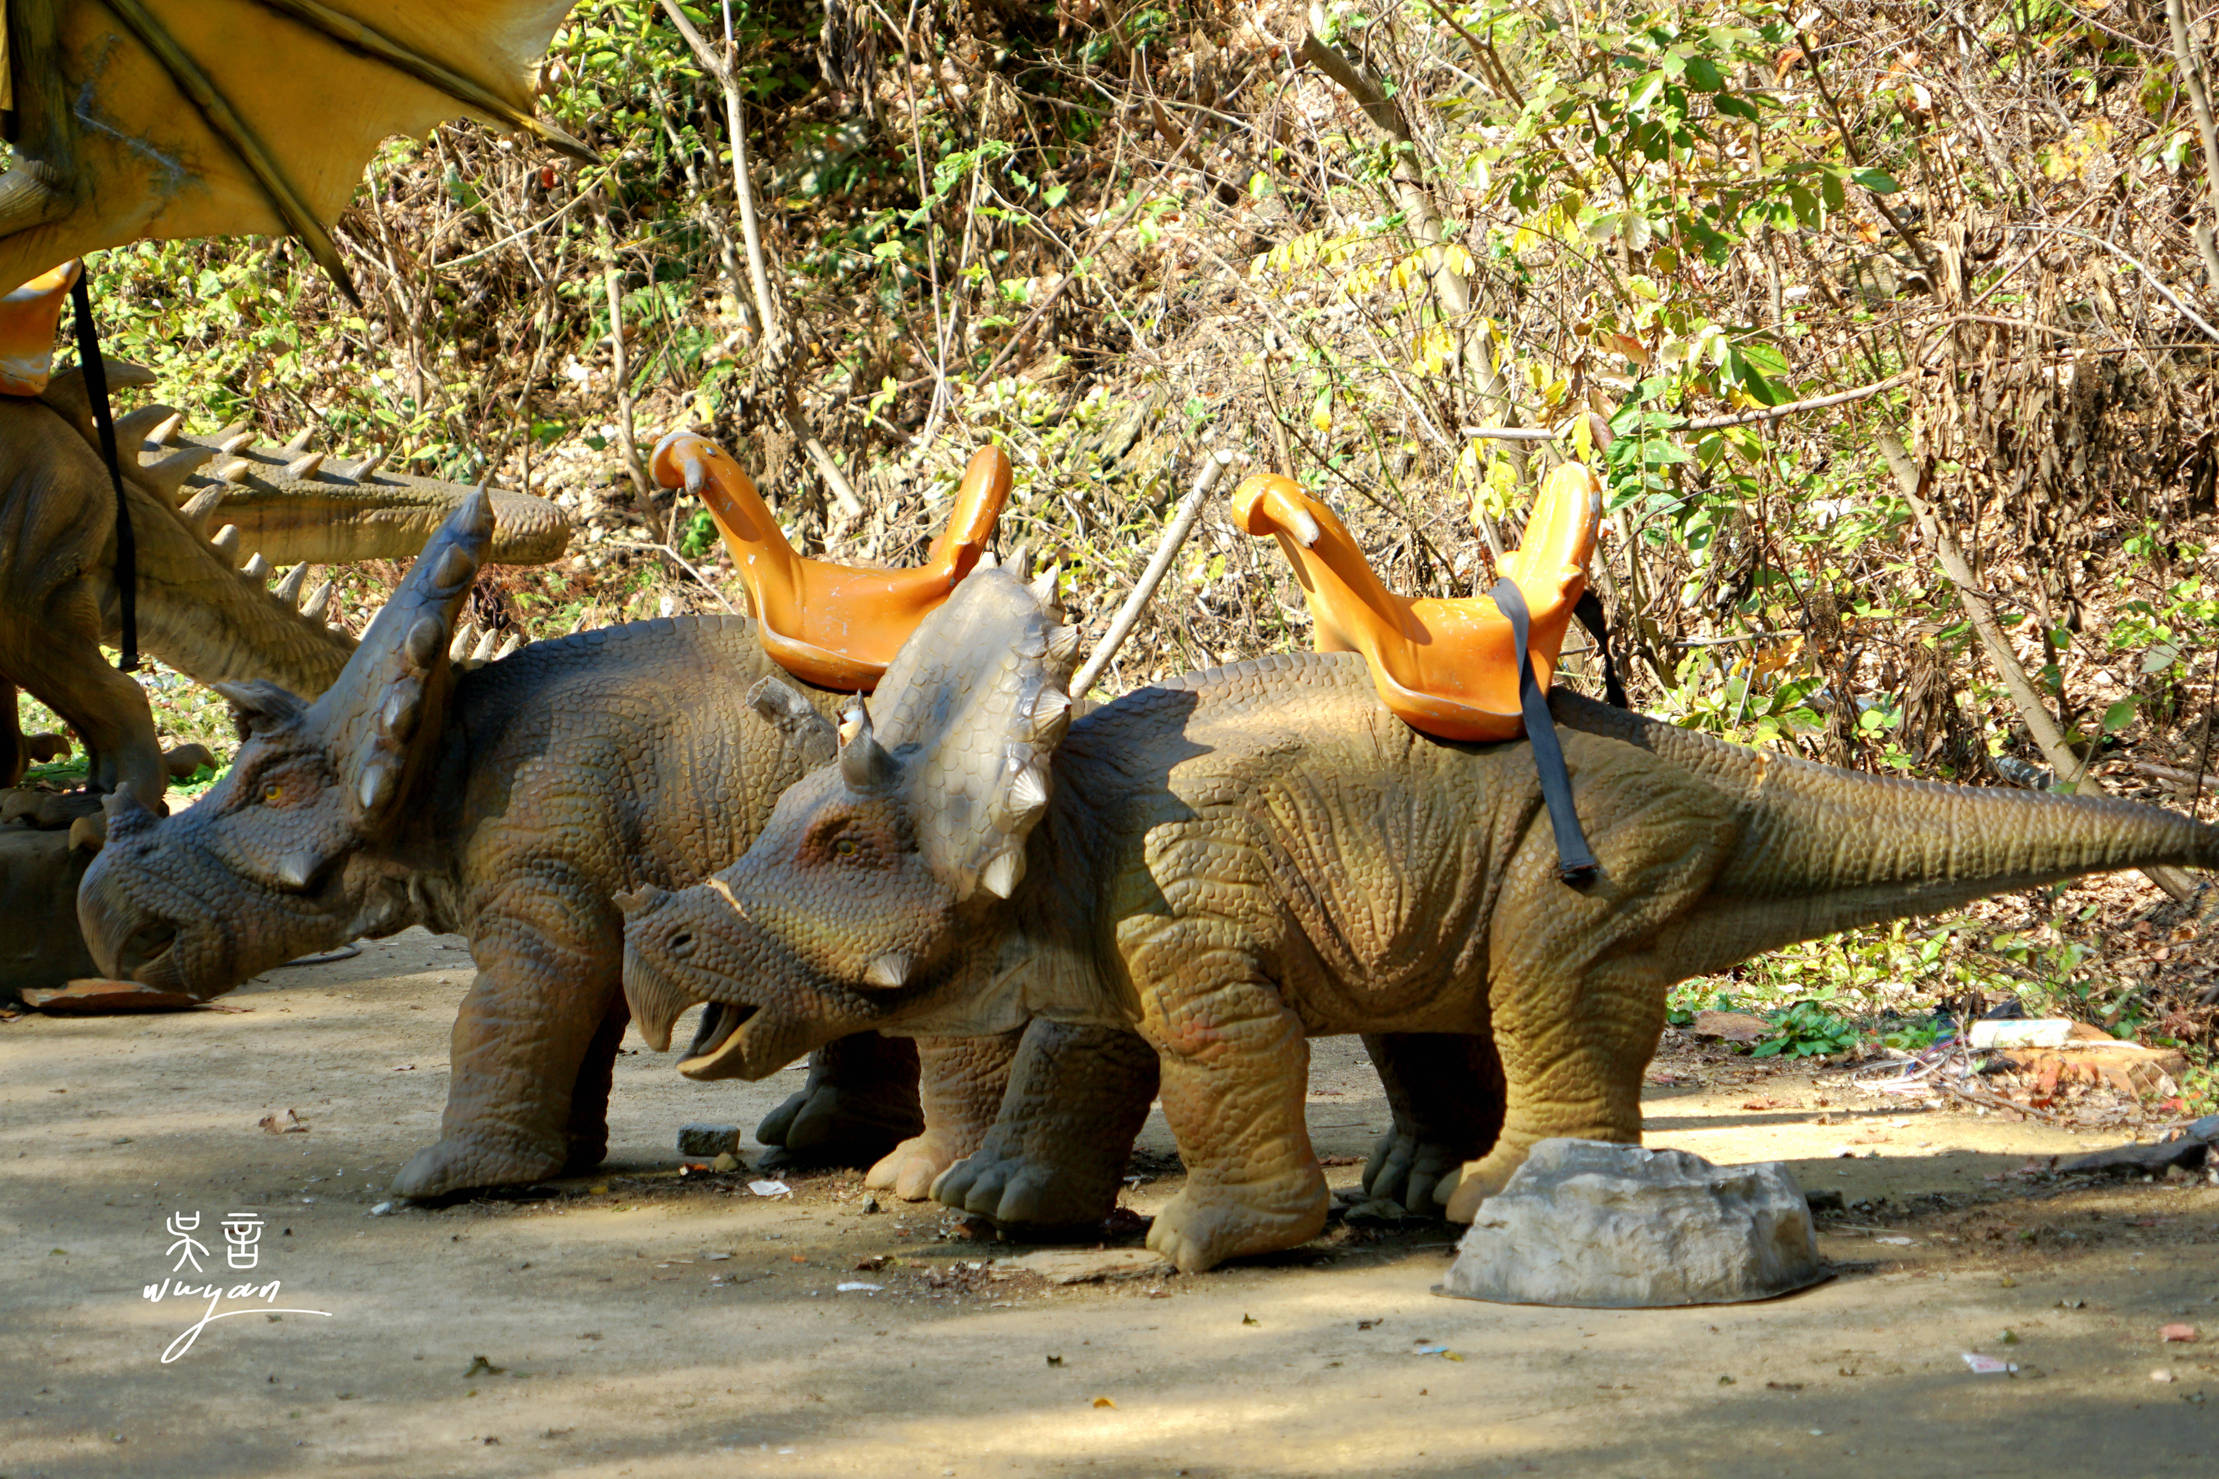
<point>293,505</point>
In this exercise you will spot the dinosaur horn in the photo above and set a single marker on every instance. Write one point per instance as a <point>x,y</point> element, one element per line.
<point>807,733</point>
<point>169,472</point>
<point>66,392</point>
<point>381,719</point>
<point>201,505</point>
<point>864,763</point>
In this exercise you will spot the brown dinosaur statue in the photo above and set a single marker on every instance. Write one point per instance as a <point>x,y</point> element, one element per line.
<point>511,804</point>
<point>200,506</point>
<point>1229,863</point>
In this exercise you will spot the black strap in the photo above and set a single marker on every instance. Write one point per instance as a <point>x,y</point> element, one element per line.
<point>1574,863</point>
<point>1589,610</point>
<point>127,547</point>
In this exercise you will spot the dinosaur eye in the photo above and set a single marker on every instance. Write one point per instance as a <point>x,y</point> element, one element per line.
<point>845,847</point>
<point>272,794</point>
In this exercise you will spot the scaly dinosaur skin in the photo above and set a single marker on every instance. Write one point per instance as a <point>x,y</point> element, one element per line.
<point>509,804</point>
<point>1230,863</point>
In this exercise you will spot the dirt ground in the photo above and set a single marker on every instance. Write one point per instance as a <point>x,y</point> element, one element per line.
<point>642,1323</point>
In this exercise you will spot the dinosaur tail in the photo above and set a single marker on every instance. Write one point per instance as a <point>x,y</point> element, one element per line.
<point>1824,849</point>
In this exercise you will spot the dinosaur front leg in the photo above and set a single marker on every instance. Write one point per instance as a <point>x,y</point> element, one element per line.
<point>959,1083</point>
<point>1063,1136</point>
<point>1446,1091</point>
<point>860,1097</point>
<point>1235,1067</point>
<point>525,1045</point>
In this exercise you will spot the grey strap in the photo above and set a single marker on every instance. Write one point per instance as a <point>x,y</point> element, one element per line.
<point>1574,863</point>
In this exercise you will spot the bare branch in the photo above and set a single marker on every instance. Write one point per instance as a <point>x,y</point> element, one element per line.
<point>1174,535</point>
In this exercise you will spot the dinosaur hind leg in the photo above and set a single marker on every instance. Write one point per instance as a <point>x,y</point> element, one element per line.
<point>1572,1061</point>
<point>1446,1091</point>
<point>858,1103</point>
<point>1576,977</point>
<point>108,710</point>
<point>13,760</point>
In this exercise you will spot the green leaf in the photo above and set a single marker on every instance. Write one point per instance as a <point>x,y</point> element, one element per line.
<point>1879,182</point>
<point>1703,75</point>
<point>1766,357</point>
<point>2119,715</point>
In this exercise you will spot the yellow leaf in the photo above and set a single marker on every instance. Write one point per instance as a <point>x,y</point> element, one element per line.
<point>1434,350</point>
<point>1103,1402</point>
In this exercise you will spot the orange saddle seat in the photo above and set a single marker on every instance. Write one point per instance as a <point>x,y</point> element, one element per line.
<point>836,626</point>
<point>28,318</point>
<point>1446,668</point>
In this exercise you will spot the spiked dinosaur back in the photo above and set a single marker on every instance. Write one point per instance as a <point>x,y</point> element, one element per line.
<point>198,611</point>
<point>215,516</point>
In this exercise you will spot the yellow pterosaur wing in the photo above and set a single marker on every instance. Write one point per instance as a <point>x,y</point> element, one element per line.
<point>139,119</point>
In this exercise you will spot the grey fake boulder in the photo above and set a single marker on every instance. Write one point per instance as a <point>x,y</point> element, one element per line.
<point>1595,1225</point>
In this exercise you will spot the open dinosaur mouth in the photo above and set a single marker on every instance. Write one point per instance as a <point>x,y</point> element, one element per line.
<point>719,1021</point>
<point>147,944</point>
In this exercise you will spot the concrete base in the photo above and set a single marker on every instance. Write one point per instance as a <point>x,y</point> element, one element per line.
<point>1595,1225</point>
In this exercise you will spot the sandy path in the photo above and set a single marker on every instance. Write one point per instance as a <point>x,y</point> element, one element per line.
<point>624,1347</point>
